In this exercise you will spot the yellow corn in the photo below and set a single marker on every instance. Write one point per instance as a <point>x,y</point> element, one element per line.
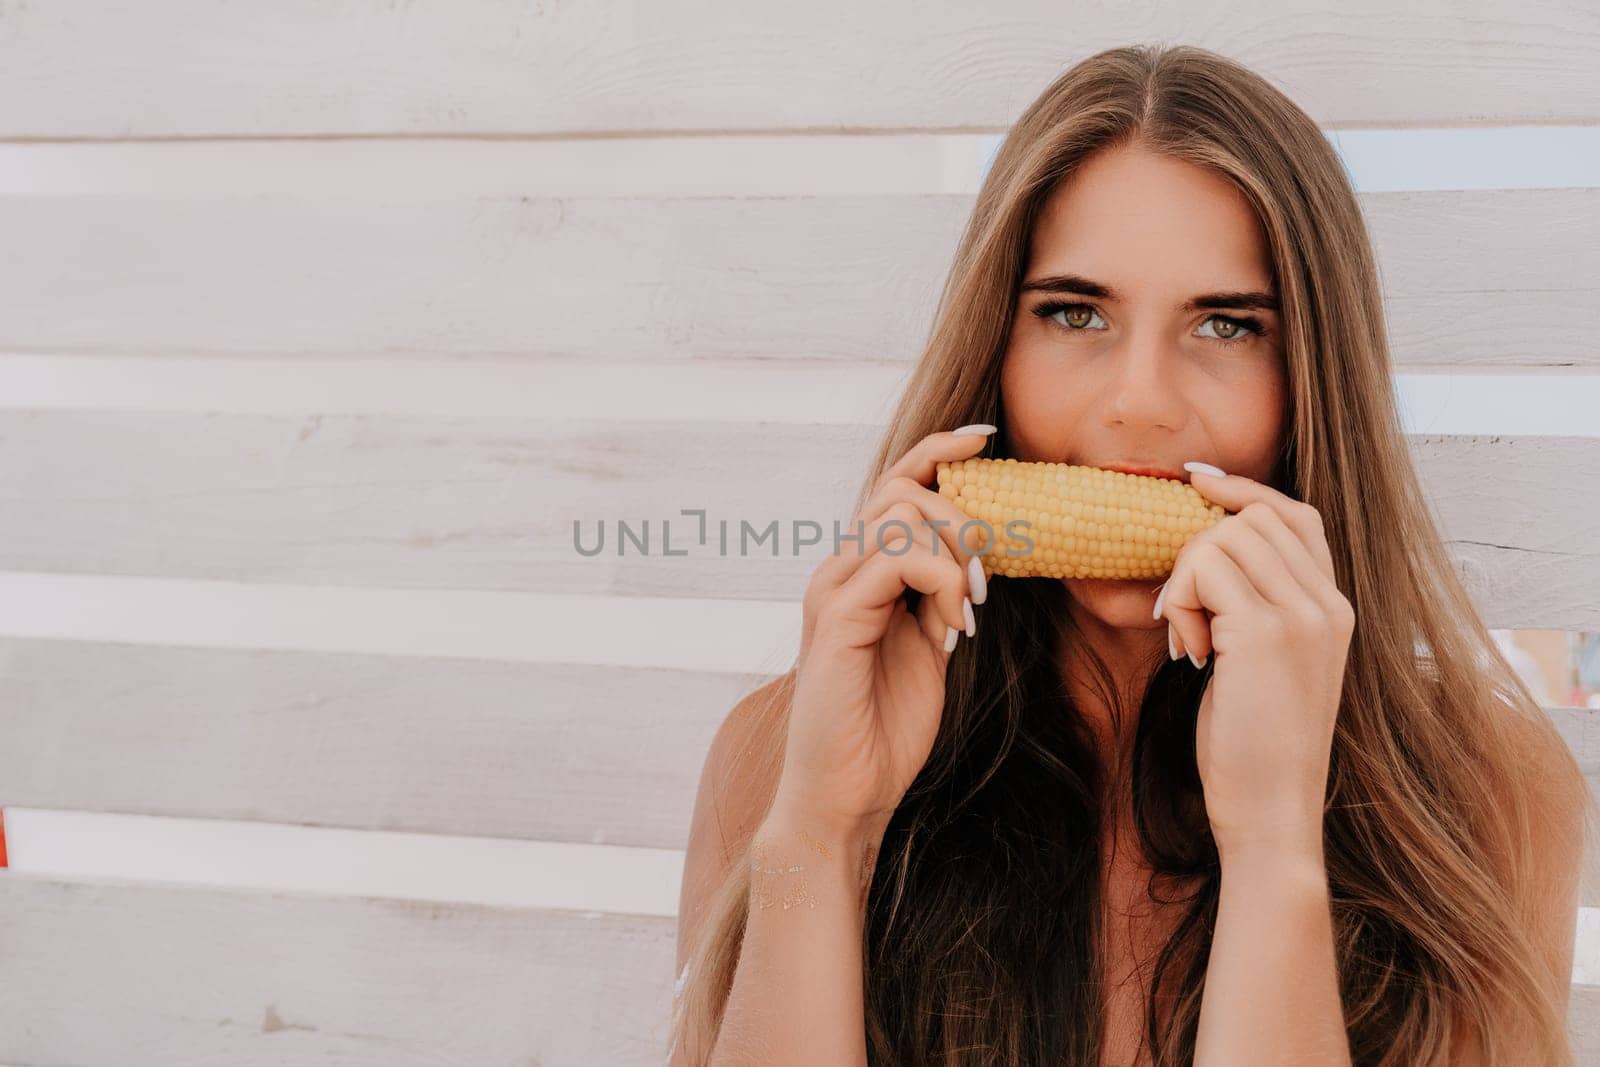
<point>1082,522</point>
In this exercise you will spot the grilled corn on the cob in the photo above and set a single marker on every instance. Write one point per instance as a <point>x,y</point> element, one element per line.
<point>1077,522</point>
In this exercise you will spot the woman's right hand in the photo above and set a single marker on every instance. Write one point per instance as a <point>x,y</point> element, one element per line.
<point>869,689</point>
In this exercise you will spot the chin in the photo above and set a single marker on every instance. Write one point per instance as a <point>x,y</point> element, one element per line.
<point>1121,602</point>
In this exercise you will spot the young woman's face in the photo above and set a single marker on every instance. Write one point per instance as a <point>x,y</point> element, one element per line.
<point>1147,369</point>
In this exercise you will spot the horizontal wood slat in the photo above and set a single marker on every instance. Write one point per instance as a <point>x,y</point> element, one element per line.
<point>419,502</point>
<point>451,67</point>
<point>808,392</point>
<point>1583,1023</point>
<point>431,503</point>
<point>386,743</point>
<point>551,752</point>
<point>1580,728</point>
<point>842,278</point>
<point>675,633</point>
<point>103,972</point>
<point>199,976</point>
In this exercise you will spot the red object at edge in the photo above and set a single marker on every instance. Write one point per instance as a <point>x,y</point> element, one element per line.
<point>2,837</point>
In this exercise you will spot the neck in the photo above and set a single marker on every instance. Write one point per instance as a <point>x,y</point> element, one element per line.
<point>1113,734</point>
<point>1132,656</point>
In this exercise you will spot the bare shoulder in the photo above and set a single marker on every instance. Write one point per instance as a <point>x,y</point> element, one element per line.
<point>1557,793</point>
<point>1560,801</point>
<point>741,764</point>
<point>1557,784</point>
<point>737,778</point>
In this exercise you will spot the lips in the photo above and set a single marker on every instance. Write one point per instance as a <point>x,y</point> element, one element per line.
<point>1151,472</point>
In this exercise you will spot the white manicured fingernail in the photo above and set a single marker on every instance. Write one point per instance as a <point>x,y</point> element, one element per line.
<point>1157,613</point>
<point>1194,466</point>
<point>950,638</point>
<point>1172,647</point>
<point>974,428</point>
<point>976,581</point>
<point>966,612</point>
<point>1198,663</point>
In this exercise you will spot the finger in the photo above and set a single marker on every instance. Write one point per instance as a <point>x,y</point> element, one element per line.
<point>1191,633</point>
<point>941,634</point>
<point>890,529</point>
<point>1204,578</point>
<point>1175,645</point>
<point>902,519</point>
<point>920,463</point>
<point>860,606</point>
<point>959,533</point>
<point>1263,565</point>
<point>1266,522</point>
<point>918,469</point>
<point>1235,491</point>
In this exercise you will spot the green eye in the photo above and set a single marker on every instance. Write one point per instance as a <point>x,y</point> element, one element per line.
<point>1080,318</point>
<point>1236,330</point>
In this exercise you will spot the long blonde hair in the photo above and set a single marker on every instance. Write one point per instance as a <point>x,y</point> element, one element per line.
<point>981,942</point>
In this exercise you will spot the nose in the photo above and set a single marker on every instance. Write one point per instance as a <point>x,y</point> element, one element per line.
<point>1143,390</point>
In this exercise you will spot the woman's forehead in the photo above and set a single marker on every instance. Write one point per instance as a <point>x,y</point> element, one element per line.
<point>1124,212</point>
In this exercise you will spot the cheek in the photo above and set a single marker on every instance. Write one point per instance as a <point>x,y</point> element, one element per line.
<point>1254,430</point>
<point>1040,406</point>
<point>1018,370</point>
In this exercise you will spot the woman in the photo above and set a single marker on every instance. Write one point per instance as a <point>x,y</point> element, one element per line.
<point>1289,805</point>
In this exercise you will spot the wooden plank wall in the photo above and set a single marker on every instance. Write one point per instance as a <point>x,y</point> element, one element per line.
<point>198,591</point>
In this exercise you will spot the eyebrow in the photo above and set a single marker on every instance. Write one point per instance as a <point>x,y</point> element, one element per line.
<point>1078,285</point>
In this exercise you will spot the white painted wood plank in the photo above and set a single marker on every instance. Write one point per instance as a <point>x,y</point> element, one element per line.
<point>101,972</point>
<point>1554,403</point>
<point>842,278</point>
<point>607,631</point>
<point>1583,1023</point>
<point>438,868</point>
<point>729,278</point>
<point>207,976</point>
<point>415,503</point>
<point>363,67</point>
<point>816,164</point>
<point>806,392</point>
<point>1472,157</point>
<point>795,391</point>
<point>1580,727</point>
<point>1586,947</point>
<point>424,503</point>
<point>552,752</point>
<point>1532,555</point>
<point>409,742</point>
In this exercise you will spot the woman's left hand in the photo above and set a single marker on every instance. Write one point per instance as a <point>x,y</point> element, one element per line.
<point>1280,630</point>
